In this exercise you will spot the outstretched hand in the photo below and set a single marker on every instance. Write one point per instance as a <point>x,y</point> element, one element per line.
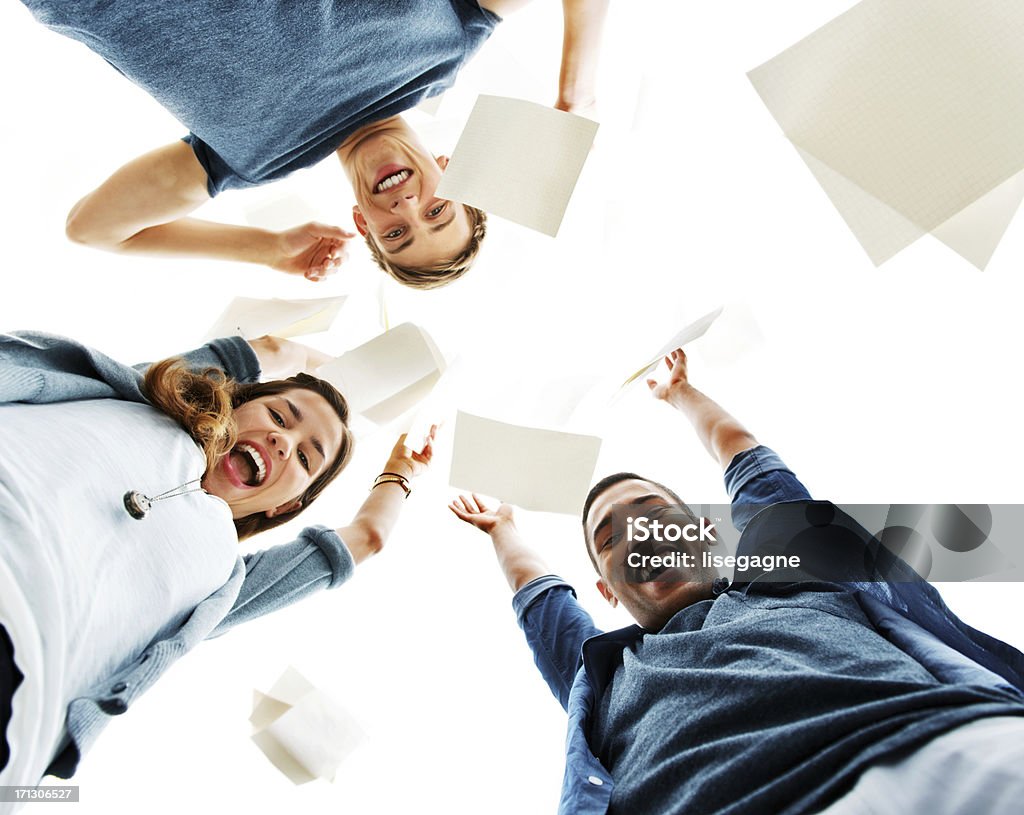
<point>313,250</point>
<point>475,512</point>
<point>677,379</point>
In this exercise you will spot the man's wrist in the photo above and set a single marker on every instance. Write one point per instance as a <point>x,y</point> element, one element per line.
<point>505,536</point>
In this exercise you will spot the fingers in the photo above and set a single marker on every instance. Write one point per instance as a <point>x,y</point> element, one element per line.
<point>327,258</point>
<point>459,509</point>
<point>464,509</point>
<point>470,505</point>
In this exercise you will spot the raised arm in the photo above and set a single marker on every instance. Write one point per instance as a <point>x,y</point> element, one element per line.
<point>376,518</point>
<point>518,562</point>
<point>583,24</point>
<point>143,207</point>
<point>555,625</point>
<point>581,46</point>
<point>722,436</point>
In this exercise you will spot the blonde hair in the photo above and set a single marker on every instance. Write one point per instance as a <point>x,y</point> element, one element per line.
<point>203,403</point>
<point>440,274</point>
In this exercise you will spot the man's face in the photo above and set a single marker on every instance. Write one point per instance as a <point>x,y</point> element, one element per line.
<point>394,179</point>
<point>653,602</point>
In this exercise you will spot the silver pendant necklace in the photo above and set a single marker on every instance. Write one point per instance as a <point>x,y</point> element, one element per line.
<point>138,504</point>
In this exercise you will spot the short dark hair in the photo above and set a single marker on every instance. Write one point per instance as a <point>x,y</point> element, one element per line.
<point>611,481</point>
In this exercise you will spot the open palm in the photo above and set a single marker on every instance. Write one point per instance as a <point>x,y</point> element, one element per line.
<point>474,511</point>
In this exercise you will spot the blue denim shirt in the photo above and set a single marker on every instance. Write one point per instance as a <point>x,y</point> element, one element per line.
<point>578,661</point>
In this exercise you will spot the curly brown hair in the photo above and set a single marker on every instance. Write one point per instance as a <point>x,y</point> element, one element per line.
<point>203,404</point>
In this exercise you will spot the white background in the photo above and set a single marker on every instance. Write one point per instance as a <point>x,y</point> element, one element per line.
<point>897,384</point>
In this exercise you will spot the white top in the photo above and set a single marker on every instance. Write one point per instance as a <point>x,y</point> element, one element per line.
<point>104,584</point>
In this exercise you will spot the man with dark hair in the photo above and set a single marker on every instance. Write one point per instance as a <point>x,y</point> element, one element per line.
<point>812,695</point>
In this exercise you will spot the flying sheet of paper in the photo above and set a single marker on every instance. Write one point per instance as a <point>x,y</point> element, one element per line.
<point>302,731</point>
<point>250,317</point>
<point>440,405</point>
<point>693,331</point>
<point>518,160</point>
<point>390,374</point>
<point>908,113</point>
<point>541,470</point>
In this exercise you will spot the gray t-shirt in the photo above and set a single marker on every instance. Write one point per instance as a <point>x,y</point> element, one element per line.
<point>758,703</point>
<point>270,86</point>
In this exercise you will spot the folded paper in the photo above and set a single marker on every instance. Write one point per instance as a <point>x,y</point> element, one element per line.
<point>910,114</point>
<point>301,730</point>
<point>541,470</point>
<point>518,160</point>
<point>250,317</point>
<point>693,331</point>
<point>389,375</point>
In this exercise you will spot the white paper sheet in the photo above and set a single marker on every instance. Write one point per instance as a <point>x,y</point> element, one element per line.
<point>250,317</point>
<point>541,470</point>
<point>439,406</point>
<point>390,374</point>
<point>908,113</point>
<point>693,331</point>
<point>519,160</point>
<point>301,730</point>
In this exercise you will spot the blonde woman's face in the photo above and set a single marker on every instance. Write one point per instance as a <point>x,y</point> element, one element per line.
<point>285,441</point>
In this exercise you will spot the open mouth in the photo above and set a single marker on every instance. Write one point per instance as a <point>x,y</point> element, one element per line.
<point>645,574</point>
<point>667,570</point>
<point>249,462</point>
<point>393,180</point>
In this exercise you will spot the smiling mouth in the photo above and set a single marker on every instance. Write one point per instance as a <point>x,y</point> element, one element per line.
<point>645,574</point>
<point>253,468</point>
<point>394,180</point>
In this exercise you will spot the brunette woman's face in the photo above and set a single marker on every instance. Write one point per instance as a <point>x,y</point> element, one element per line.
<point>284,443</point>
